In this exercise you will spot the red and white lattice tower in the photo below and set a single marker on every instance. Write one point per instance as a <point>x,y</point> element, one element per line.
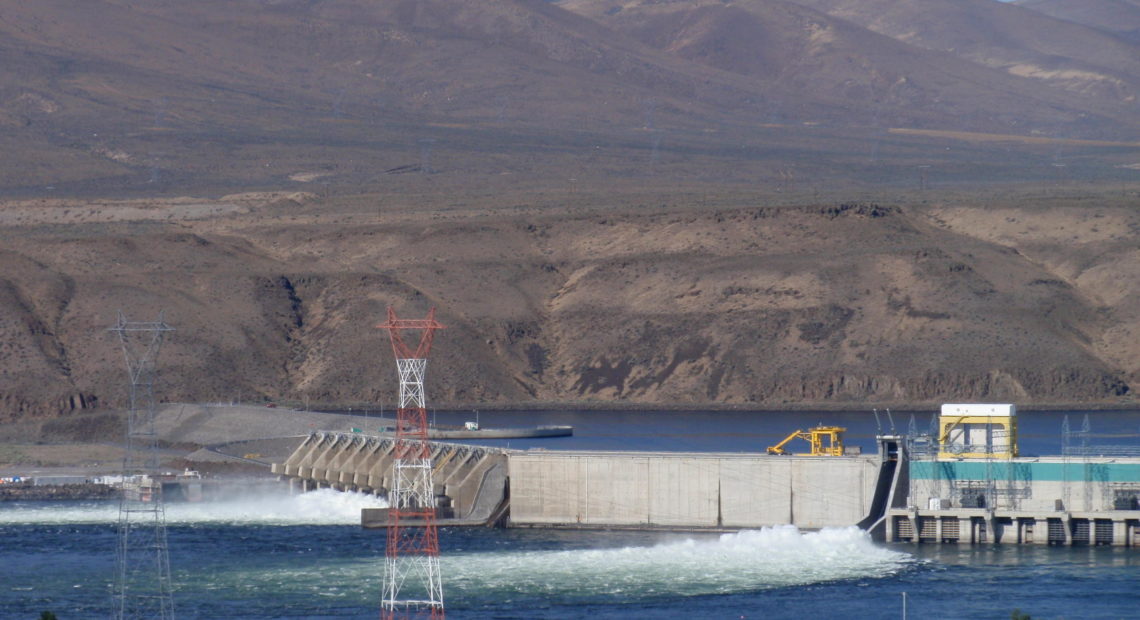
<point>412,585</point>
<point>143,587</point>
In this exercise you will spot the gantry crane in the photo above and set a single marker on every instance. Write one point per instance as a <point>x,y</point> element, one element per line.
<point>815,436</point>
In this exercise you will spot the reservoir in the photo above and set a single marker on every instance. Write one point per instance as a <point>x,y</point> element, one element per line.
<point>749,431</point>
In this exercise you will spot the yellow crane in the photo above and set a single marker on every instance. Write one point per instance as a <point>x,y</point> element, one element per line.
<point>816,437</point>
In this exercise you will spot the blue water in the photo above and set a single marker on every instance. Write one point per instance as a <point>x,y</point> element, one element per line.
<point>305,557</point>
<point>1039,432</point>
<point>333,571</point>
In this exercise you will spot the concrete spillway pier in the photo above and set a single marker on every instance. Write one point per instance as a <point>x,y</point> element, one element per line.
<point>470,481</point>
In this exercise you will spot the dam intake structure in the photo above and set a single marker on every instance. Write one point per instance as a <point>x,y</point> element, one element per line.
<point>968,484</point>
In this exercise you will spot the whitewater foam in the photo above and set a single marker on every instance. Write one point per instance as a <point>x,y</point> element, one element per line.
<point>321,507</point>
<point>740,562</point>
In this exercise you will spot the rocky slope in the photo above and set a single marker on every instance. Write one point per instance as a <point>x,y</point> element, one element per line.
<point>1118,16</point>
<point>1062,54</point>
<point>752,203</point>
<point>740,304</point>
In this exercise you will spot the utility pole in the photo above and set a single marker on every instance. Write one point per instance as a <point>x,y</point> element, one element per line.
<point>142,577</point>
<point>412,584</point>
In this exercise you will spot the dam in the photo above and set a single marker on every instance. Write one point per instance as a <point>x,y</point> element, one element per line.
<point>1043,500</point>
<point>968,483</point>
<point>962,483</point>
<point>608,489</point>
<point>689,491</point>
<point>470,481</point>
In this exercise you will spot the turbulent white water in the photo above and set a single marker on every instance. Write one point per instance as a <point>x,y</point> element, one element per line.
<point>740,562</point>
<point>322,507</point>
<point>502,576</point>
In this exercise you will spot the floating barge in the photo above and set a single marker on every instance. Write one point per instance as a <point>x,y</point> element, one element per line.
<point>472,431</point>
<point>501,433</point>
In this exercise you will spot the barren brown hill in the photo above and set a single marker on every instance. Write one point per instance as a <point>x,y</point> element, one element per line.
<point>605,302</point>
<point>750,205</point>
<point>1119,16</point>
<point>802,54</point>
<point>1067,56</point>
<point>240,93</point>
<point>111,97</point>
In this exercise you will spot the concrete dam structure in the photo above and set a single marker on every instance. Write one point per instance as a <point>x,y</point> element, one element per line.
<point>470,481</point>
<point>968,484</point>
<point>1042,500</point>
<point>965,483</point>
<point>539,488</point>
<point>689,490</point>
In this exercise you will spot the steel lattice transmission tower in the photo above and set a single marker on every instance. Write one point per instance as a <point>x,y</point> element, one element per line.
<point>142,578</point>
<point>412,585</point>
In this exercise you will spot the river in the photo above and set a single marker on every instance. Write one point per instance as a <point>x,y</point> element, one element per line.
<point>280,556</point>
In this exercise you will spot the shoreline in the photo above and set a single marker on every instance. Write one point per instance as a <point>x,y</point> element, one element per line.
<point>356,409</point>
<point>21,492</point>
<point>212,437</point>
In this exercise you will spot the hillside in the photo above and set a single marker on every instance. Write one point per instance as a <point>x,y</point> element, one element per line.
<point>1066,56</point>
<point>802,54</point>
<point>740,304</point>
<point>1118,16</point>
<point>758,203</point>
<point>214,97</point>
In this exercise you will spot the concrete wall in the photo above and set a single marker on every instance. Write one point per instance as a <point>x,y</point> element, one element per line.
<point>688,490</point>
<point>1092,484</point>
<point>614,489</point>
